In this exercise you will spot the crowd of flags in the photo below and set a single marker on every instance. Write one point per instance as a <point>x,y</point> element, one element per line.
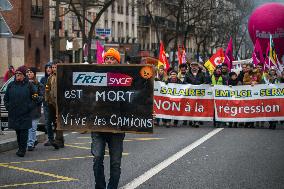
<point>268,60</point>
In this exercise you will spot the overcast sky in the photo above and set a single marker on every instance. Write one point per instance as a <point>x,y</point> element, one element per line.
<point>259,2</point>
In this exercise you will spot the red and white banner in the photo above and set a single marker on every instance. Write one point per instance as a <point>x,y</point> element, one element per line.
<point>183,102</point>
<point>249,103</point>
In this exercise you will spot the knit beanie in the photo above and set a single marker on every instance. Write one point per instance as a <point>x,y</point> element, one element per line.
<point>114,53</point>
<point>21,69</point>
<point>33,69</point>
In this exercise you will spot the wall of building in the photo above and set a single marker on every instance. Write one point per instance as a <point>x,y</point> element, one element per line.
<point>11,53</point>
<point>36,32</point>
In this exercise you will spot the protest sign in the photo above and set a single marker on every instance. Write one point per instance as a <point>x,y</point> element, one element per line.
<point>249,103</point>
<point>105,98</point>
<point>183,102</point>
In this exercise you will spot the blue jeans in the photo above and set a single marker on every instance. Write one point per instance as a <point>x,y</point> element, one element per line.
<point>48,123</point>
<point>115,145</point>
<point>32,132</point>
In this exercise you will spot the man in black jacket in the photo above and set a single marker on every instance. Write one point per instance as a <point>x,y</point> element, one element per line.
<point>195,76</point>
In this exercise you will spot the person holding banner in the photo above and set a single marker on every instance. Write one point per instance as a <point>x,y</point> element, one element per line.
<point>114,141</point>
<point>172,79</point>
<point>195,76</point>
<point>272,78</point>
<point>252,77</point>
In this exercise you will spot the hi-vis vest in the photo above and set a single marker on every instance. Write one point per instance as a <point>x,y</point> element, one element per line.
<point>219,82</point>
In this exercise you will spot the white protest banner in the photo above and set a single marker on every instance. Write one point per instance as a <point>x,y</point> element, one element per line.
<point>249,103</point>
<point>183,102</point>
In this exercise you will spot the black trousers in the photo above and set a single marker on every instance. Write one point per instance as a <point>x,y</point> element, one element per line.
<point>22,139</point>
<point>52,119</point>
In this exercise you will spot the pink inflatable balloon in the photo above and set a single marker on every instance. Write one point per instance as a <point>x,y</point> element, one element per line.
<point>268,19</point>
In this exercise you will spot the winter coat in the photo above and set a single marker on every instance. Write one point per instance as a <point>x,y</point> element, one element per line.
<point>8,75</point>
<point>39,88</point>
<point>250,77</point>
<point>18,101</point>
<point>233,82</point>
<point>195,80</point>
<point>50,90</point>
<point>241,77</point>
<point>169,80</point>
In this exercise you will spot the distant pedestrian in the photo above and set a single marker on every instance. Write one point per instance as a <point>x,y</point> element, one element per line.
<point>182,72</point>
<point>18,100</point>
<point>9,73</point>
<point>233,81</point>
<point>172,79</point>
<point>36,112</point>
<point>48,126</point>
<point>50,98</point>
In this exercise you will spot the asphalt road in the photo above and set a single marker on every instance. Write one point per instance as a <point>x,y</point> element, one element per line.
<point>231,158</point>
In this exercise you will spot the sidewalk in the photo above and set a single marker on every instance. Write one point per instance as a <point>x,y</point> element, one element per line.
<point>8,141</point>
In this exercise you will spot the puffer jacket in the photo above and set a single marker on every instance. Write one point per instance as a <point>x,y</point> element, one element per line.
<point>18,101</point>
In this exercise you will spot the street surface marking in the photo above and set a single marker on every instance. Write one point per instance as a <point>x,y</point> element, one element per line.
<point>61,178</point>
<point>47,160</point>
<point>87,148</point>
<point>155,170</point>
<point>80,147</point>
<point>33,183</point>
<point>145,139</point>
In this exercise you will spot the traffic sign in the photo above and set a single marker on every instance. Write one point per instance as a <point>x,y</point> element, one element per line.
<point>4,28</point>
<point>5,5</point>
<point>103,31</point>
<point>5,31</point>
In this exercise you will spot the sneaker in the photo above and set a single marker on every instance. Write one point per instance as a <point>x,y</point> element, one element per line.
<point>47,143</point>
<point>54,144</point>
<point>196,124</point>
<point>30,148</point>
<point>20,153</point>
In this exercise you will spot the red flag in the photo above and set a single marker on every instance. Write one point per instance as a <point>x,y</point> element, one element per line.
<point>181,55</point>
<point>162,56</point>
<point>257,55</point>
<point>229,54</point>
<point>267,62</point>
<point>214,61</point>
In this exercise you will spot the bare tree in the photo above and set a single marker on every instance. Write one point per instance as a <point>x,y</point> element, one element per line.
<point>79,8</point>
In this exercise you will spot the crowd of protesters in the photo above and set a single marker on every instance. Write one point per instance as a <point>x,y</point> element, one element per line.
<point>196,74</point>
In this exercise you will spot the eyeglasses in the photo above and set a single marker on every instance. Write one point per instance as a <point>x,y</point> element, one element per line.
<point>110,58</point>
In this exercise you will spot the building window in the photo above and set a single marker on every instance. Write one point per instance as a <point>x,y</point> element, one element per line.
<point>127,7</point>
<point>37,8</point>
<point>37,57</point>
<point>44,40</point>
<point>29,40</point>
<point>133,8</point>
<point>113,7</point>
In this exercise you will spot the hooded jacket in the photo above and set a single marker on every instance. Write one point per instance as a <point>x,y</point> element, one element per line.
<point>43,80</point>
